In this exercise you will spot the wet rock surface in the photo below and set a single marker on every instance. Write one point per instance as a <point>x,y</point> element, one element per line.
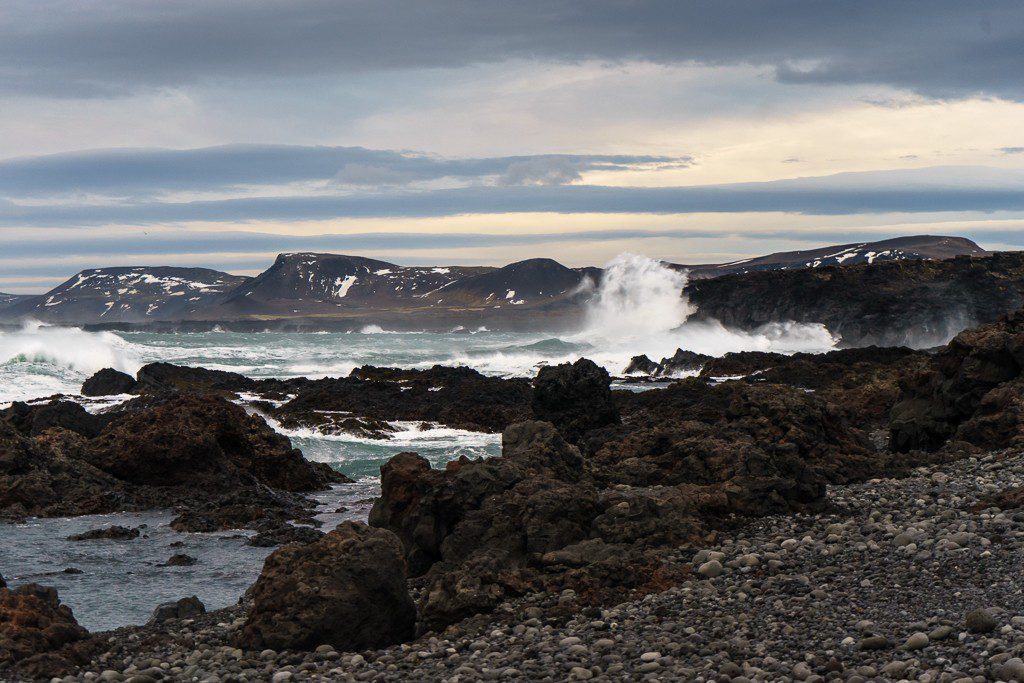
<point>108,382</point>
<point>110,533</point>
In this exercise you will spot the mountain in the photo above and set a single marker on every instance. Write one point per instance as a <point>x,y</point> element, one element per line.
<point>310,284</point>
<point>919,303</point>
<point>136,294</point>
<point>914,247</point>
<point>351,287</point>
<point>308,291</point>
<point>8,300</point>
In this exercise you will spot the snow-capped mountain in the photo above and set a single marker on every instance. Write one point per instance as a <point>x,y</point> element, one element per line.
<point>319,284</point>
<point>134,294</point>
<point>897,249</point>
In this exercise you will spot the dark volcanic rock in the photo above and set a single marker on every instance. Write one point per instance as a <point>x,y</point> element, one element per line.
<point>180,560</point>
<point>285,533</point>
<point>777,446</point>
<point>168,377</point>
<point>201,452</point>
<point>347,589</point>
<point>680,361</point>
<point>110,533</point>
<point>864,382</point>
<point>186,608</point>
<point>574,397</point>
<point>545,516</point>
<point>640,365</point>
<point>108,382</point>
<point>33,627</point>
<point>456,397</point>
<point>33,420</point>
<point>203,441</point>
<point>741,364</point>
<point>48,476</point>
<point>972,392</point>
<point>905,303</point>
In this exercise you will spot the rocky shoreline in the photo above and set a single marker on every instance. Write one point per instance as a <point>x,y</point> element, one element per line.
<point>878,587</point>
<point>753,529</point>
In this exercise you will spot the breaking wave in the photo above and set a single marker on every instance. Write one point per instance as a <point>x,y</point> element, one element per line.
<point>67,347</point>
<point>640,307</point>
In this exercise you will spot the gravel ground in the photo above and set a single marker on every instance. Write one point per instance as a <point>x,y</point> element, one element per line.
<point>899,581</point>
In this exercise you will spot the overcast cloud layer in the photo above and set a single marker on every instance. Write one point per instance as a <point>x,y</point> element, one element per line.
<point>104,47</point>
<point>219,131</point>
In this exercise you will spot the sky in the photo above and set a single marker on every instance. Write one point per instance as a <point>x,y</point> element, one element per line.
<point>218,133</point>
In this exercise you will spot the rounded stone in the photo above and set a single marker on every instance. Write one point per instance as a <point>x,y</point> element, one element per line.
<point>710,569</point>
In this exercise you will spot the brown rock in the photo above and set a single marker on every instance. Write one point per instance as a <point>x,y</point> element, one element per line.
<point>35,626</point>
<point>348,589</point>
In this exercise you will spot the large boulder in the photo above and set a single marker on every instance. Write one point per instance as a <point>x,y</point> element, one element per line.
<point>576,398</point>
<point>108,382</point>
<point>185,608</point>
<point>34,627</point>
<point>203,440</point>
<point>971,392</point>
<point>347,589</point>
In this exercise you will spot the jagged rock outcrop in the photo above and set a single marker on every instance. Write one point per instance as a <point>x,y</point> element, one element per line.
<point>202,452</point>
<point>546,516</point>
<point>203,441</point>
<point>864,382</point>
<point>456,397</point>
<point>347,589</point>
<point>34,419</point>
<point>34,627</point>
<point>574,397</point>
<point>972,392</point>
<point>640,365</point>
<point>681,361</point>
<point>108,382</point>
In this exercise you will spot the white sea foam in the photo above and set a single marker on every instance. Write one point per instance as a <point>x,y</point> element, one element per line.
<point>68,347</point>
<point>41,360</point>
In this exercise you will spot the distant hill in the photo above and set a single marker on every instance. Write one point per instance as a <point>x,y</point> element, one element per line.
<point>8,300</point>
<point>896,249</point>
<point>136,294</point>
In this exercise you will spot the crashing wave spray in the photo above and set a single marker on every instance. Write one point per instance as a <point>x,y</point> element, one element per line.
<point>39,360</point>
<point>638,297</point>
<point>640,307</point>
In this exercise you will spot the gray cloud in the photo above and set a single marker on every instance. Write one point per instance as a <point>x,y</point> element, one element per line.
<point>943,48</point>
<point>149,171</point>
<point>1012,150</point>
<point>930,190</point>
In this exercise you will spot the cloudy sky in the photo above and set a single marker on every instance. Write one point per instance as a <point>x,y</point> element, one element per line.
<point>220,132</point>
